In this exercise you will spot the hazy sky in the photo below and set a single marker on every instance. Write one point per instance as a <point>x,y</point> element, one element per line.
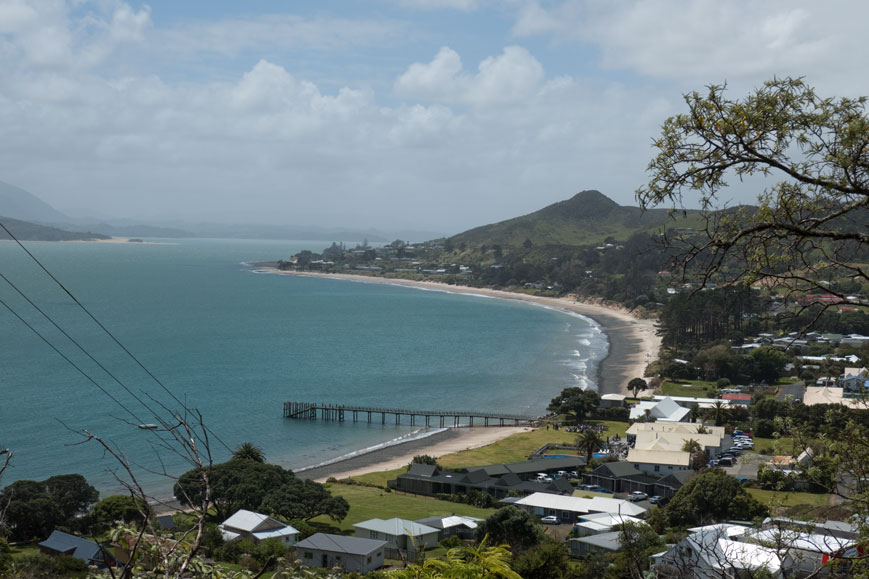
<point>428,114</point>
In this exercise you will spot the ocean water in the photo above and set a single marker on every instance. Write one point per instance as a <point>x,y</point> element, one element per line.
<point>236,344</point>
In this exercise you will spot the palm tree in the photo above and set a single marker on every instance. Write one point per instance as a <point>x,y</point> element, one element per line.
<point>589,441</point>
<point>249,451</point>
<point>466,562</point>
<point>695,412</point>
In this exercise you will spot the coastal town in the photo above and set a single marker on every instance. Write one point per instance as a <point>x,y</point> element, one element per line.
<point>434,289</point>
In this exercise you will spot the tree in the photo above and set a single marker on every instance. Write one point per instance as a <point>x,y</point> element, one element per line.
<point>712,496</point>
<point>471,562</point>
<point>249,451</point>
<point>638,541</point>
<point>698,454</point>
<point>304,500</point>
<point>120,508</point>
<point>72,493</point>
<point>768,363</point>
<point>574,400</point>
<point>636,385</point>
<point>30,512</point>
<point>589,442</point>
<point>812,156</point>
<point>510,526</point>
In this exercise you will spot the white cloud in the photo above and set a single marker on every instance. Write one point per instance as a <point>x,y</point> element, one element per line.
<point>709,40</point>
<point>510,77</point>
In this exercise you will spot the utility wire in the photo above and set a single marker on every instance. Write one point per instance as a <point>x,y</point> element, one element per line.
<point>103,328</point>
<point>71,363</point>
<point>78,345</point>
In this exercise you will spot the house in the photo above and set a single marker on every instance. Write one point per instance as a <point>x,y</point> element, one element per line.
<point>498,480</point>
<point>612,400</point>
<point>60,543</point>
<point>743,399</point>
<point>603,543</point>
<point>249,525</point>
<point>623,477</point>
<point>780,547</point>
<point>403,537</point>
<point>659,462</point>
<point>600,523</point>
<point>664,410</point>
<point>353,554</point>
<point>452,526</point>
<point>854,379</point>
<point>573,509</point>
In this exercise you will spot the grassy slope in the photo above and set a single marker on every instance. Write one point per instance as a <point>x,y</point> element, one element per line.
<point>368,503</point>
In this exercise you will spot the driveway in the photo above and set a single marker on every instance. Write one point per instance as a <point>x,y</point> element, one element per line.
<point>795,391</point>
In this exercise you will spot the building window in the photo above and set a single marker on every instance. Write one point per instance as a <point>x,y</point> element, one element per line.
<point>309,555</point>
<point>369,558</point>
<point>658,468</point>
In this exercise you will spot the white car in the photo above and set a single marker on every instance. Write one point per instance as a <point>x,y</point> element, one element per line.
<point>550,520</point>
<point>637,496</point>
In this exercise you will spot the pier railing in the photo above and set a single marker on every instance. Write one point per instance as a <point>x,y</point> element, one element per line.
<point>370,414</point>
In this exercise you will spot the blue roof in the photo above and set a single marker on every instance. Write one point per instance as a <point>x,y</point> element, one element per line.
<point>78,547</point>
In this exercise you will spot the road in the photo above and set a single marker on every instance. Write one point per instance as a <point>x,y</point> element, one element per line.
<point>795,391</point>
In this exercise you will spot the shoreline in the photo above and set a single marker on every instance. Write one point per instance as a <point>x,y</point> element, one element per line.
<point>395,456</point>
<point>632,345</point>
<point>632,342</point>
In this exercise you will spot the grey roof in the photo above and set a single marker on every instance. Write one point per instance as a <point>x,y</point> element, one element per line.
<point>78,547</point>
<point>616,470</point>
<point>165,522</point>
<point>423,469</point>
<point>608,541</point>
<point>341,544</point>
<point>531,466</point>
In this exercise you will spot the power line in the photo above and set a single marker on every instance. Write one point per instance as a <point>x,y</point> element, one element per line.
<point>77,344</point>
<point>71,363</point>
<point>103,328</point>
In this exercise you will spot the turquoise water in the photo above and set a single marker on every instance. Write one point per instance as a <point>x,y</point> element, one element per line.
<point>236,344</point>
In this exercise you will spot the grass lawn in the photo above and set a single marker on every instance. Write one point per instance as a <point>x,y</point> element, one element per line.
<point>777,446</point>
<point>691,388</point>
<point>368,503</point>
<point>775,499</point>
<point>514,448</point>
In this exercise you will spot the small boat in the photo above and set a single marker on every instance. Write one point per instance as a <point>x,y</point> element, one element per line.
<point>148,426</point>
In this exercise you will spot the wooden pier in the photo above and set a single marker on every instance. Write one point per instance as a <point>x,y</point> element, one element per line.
<point>370,414</point>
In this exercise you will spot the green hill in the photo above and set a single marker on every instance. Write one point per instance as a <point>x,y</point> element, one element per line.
<point>26,231</point>
<point>587,218</point>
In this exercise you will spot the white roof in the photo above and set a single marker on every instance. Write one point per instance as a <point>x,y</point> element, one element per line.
<point>255,524</point>
<point>686,427</point>
<point>396,527</point>
<point>609,519</point>
<point>618,397</point>
<point>674,440</point>
<point>456,520</point>
<point>581,505</point>
<point>665,410</point>
<point>665,457</point>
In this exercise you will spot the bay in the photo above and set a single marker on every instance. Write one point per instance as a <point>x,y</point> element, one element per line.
<point>235,345</point>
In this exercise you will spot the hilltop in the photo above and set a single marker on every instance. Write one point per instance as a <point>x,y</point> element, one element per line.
<point>589,217</point>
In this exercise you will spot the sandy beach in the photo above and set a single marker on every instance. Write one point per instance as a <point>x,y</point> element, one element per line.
<point>633,344</point>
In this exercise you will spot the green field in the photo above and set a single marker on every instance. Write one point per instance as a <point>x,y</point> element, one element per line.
<point>690,388</point>
<point>776,499</point>
<point>369,503</point>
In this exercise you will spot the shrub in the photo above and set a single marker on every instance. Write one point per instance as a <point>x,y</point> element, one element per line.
<point>451,542</point>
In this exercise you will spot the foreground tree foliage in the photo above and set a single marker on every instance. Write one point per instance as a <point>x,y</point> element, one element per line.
<point>811,155</point>
<point>510,526</point>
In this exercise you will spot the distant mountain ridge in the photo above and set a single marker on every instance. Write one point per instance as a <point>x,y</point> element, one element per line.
<point>17,203</point>
<point>26,231</point>
<point>586,218</point>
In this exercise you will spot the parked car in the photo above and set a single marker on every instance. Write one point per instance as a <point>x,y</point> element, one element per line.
<point>656,500</point>
<point>586,487</point>
<point>550,520</point>
<point>726,461</point>
<point>712,463</point>
<point>637,496</point>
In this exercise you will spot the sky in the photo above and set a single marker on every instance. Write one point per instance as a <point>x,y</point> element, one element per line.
<point>435,115</point>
